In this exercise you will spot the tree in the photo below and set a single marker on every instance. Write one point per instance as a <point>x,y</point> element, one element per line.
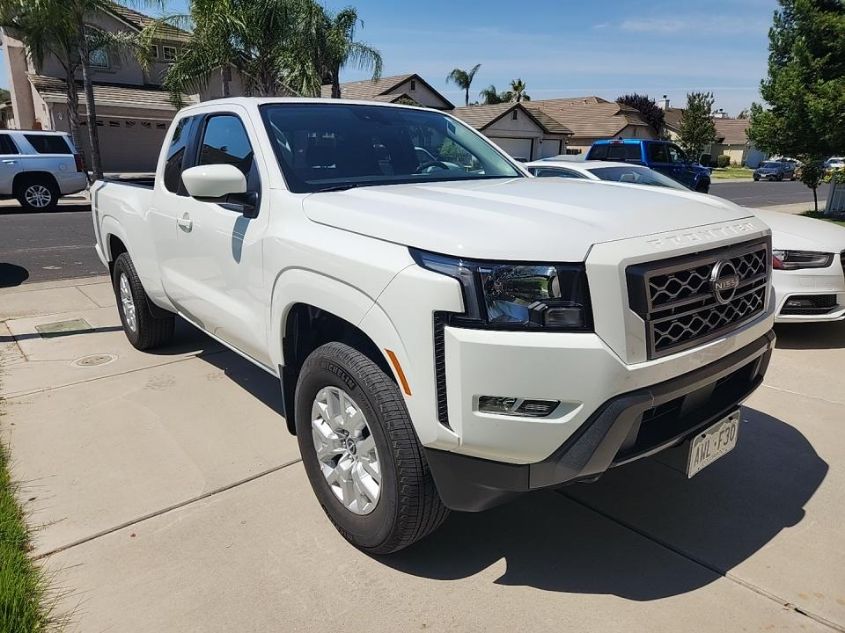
<point>60,28</point>
<point>258,38</point>
<point>491,96</point>
<point>743,114</point>
<point>697,129</point>
<point>517,91</point>
<point>463,79</point>
<point>43,33</point>
<point>330,38</point>
<point>646,106</point>
<point>805,87</point>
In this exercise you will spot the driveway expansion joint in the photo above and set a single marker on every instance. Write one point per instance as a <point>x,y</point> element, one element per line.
<point>712,568</point>
<point>167,509</point>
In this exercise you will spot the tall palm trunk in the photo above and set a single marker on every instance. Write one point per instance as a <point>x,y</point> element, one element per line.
<point>91,112</point>
<point>466,96</point>
<point>73,109</point>
<point>336,82</point>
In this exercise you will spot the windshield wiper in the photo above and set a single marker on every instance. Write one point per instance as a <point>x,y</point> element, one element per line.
<point>337,188</point>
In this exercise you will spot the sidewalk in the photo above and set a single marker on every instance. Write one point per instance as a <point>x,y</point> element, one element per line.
<point>170,497</point>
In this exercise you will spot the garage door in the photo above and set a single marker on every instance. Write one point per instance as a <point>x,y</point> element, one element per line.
<point>128,144</point>
<point>550,148</point>
<point>516,147</point>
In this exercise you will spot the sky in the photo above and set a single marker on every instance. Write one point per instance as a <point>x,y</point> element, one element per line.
<point>568,48</point>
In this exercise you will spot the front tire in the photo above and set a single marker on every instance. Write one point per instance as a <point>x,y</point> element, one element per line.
<point>37,194</point>
<point>143,329</point>
<point>361,454</point>
<point>703,186</point>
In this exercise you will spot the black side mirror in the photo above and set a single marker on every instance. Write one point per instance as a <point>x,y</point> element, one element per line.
<point>245,203</point>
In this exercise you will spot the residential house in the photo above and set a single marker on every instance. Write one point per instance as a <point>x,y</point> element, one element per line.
<point>133,111</point>
<point>516,129</point>
<point>409,88</point>
<point>591,119</point>
<point>671,119</point>
<point>732,141</point>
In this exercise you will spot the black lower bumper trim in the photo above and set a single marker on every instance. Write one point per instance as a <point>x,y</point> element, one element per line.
<point>625,428</point>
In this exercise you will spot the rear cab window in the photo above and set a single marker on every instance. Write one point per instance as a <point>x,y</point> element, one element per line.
<point>48,144</point>
<point>618,151</point>
<point>174,163</point>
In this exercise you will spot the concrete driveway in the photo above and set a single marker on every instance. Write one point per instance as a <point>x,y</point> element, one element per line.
<point>170,497</point>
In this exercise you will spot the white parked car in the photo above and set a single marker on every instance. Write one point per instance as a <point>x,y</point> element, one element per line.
<point>809,255</point>
<point>445,339</point>
<point>38,167</point>
<point>835,162</point>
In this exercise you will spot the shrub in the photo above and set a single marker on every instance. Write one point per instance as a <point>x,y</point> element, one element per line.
<point>723,161</point>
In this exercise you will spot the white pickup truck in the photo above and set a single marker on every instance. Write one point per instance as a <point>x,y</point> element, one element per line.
<point>449,331</point>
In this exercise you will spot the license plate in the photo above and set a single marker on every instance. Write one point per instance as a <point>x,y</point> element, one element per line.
<point>712,443</point>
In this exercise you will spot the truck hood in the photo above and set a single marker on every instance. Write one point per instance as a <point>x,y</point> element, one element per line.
<point>797,233</point>
<point>549,219</point>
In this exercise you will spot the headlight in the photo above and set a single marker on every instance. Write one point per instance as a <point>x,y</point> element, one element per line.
<point>517,296</point>
<point>794,260</point>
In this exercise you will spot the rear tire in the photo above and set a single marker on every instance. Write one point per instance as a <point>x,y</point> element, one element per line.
<point>143,330</point>
<point>340,390</point>
<point>37,194</point>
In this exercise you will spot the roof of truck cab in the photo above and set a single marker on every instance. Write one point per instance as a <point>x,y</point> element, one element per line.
<point>249,101</point>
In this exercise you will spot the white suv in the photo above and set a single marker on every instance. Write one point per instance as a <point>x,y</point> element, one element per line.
<point>38,167</point>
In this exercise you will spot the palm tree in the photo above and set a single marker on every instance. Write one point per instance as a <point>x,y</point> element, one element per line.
<point>43,34</point>
<point>491,96</point>
<point>463,79</point>
<point>258,38</point>
<point>517,91</point>
<point>59,27</point>
<point>339,48</point>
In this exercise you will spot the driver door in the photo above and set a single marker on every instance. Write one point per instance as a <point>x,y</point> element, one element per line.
<point>221,286</point>
<point>681,166</point>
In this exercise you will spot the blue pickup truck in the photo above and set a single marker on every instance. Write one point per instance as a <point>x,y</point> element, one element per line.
<point>662,156</point>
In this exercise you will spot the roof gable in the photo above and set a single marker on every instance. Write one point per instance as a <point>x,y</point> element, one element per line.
<point>483,116</point>
<point>731,131</point>
<point>589,116</point>
<point>368,89</point>
<point>139,21</point>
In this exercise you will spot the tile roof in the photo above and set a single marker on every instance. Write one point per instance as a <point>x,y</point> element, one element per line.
<point>588,116</point>
<point>482,116</point>
<point>54,90</point>
<point>366,88</point>
<point>731,131</point>
<point>139,21</point>
<point>672,117</point>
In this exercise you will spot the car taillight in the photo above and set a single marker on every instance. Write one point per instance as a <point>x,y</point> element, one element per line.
<point>80,166</point>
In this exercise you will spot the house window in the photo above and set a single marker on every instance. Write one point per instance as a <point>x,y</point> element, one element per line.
<point>98,56</point>
<point>154,51</point>
<point>514,114</point>
<point>413,84</point>
<point>169,53</point>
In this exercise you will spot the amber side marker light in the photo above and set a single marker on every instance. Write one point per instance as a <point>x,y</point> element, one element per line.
<point>398,369</point>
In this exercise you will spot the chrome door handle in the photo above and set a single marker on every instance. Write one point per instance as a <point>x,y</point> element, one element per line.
<point>185,223</point>
<point>10,162</point>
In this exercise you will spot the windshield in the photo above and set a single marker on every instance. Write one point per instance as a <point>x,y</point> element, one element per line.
<point>332,146</point>
<point>771,165</point>
<point>636,176</point>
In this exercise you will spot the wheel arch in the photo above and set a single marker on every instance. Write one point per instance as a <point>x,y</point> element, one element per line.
<point>309,309</point>
<point>24,177</point>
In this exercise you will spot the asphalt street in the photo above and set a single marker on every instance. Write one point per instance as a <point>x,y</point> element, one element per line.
<point>766,194</point>
<point>59,244</point>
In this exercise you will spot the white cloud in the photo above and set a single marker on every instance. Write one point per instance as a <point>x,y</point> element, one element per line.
<point>712,24</point>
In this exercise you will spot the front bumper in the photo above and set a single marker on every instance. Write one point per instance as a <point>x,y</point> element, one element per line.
<point>626,427</point>
<point>811,282</point>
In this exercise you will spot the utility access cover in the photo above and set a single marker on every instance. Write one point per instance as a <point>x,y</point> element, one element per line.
<point>63,328</point>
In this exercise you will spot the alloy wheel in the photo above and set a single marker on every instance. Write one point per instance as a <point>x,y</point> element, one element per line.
<point>38,196</point>
<point>128,303</point>
<point>346,450</point>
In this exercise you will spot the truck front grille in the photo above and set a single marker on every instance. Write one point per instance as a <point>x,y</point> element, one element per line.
<point>687,301</point>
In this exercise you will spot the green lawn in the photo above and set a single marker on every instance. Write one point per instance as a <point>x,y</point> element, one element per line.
<point>22,584</point>
<point>722,173</point>
<point>821,216</point>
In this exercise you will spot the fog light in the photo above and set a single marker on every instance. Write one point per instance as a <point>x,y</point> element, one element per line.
<point>508,405</point>
<point>800,303</point>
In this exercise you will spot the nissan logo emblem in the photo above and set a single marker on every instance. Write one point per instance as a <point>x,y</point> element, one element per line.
<point>724,281</point>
